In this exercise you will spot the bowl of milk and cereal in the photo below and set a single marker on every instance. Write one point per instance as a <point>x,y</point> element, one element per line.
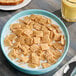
<point>35,41</point>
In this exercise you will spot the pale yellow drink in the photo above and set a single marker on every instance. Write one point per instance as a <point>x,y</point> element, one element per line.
<point>69,10</point>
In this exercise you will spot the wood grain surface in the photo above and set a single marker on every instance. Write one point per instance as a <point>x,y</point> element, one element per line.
<point>52,6</point>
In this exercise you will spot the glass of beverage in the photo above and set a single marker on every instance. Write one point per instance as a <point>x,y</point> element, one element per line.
<point>68,9</point>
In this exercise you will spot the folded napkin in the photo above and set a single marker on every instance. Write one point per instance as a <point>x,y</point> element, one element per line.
<point>60,71</point>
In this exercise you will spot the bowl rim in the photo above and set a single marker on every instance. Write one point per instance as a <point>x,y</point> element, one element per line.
<point>52,66</point>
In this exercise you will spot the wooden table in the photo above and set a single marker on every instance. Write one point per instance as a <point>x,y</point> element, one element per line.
<point>52,6</point>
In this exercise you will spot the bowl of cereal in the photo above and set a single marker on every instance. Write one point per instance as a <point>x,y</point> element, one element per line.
<point>35,41</point>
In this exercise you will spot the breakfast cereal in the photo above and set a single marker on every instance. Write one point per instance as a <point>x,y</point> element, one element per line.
<point>35,41</point>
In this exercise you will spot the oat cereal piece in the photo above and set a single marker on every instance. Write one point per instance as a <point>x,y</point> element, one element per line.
<point>27,46</point>
<point>49,21</point>
<point>50,28</point>
<point>29,26</point>
<point>57,36</point>
<point>33,17</point>
<point>38,33</point>
<point>49,57</point>
<point>46,39</point>
<point>26,52</point>
<point>37,26</point>
<point>17,53</point>
<point>51,60</point>
<point>10,54</point>
<point>24,47</point>
<point>16,44</point>
<point>11,37</point>
<point>39,16</point>
<point>34,47</point>
<point>57,28</point>
<point>28,32</point>
<point>29,40</point>
<point>7,42</point>
<point>36,40</point>
<point>62,40</point>
<point>56,54</point>
<point>58,46</point>
<point>18,32</point>
<point>45,65</point>
<point>21,39</point>
<point>51,46</point>
<point>32,23</point>
<point>44,46</point>
<point>15,26</point>
<point>26,17</point>
<point>32,65</point>
<point>23,26</point>
<point>44,28</point>
<point>32,35</point>
<point>46,32</point>
<point>35,59</point>
<point>43,21</point>
<point>51,35</point>
<point>27,20</point>
<point>23,59</point>
<point>13,54</point>
<point>41,54</point>
<point>22,21</point>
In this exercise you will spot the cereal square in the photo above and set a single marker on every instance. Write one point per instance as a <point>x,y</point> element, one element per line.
<point>50,28</point>
<point>44,28</point>
<point>44,46</point>
<point>29,40</point>
<point>36,40</point>
<point>34,47</point>
<point>37,26</point>
<point>45,65</point>
<point>23,59</point>
<point>58,46</point>
<point>15,26</point>
<point>28,32</point>
<point>38,33</point>
<point>49,57</point>
<point>33,17</point>
<point>49,21</point>
<point>18,32</point>
<point>9,39</point>
<point>29,26</point>
<point>35,59</point>
<point>46,39</point>
<point>55,26</point>
<point>62,40</point>
<point>32,65</point>
<point>51,35</point>
<point>56,36</point>
<point>46,32</point>
<point>10,54</point>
